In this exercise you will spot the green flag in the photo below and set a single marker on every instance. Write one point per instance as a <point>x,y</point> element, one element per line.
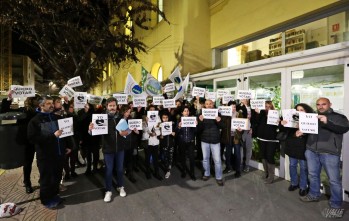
<point>144,77</point>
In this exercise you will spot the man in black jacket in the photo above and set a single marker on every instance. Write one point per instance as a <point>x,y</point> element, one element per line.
<point>50,150</point>
<point>324,150</point>
<point>210,141</point>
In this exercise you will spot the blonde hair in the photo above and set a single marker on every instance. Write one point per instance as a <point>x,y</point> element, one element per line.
<point>271,105</point>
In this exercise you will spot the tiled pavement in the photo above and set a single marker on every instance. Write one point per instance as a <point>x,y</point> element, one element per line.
<point>246,198</point>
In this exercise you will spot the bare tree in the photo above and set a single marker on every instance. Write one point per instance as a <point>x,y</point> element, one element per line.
<point>79,37</point>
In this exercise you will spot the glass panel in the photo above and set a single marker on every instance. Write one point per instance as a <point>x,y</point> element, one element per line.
<point>308,85</point>
<point>205,84</point>
<point>229,85</point>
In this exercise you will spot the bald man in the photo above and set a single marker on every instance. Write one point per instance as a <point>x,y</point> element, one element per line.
<point>324,150</point>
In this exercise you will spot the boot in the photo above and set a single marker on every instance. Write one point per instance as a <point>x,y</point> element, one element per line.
<point>271,171</point>
<point>265,167</point>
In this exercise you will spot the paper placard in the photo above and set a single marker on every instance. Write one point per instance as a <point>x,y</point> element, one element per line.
<point>100,124</point>
<point>169,87</point>
<point>135,123</point>
<point>209,113</point>
<point>157,100</point>
<point>96,100</point>
<point>242,123</point>
<point>244,94</point>
<point>139,101</point>
<point>166,128</point>
<point>67,91</point>
<point>188,121</point>
<point>210,96</point>
<point>66,125</point>
<point>80,99</point>
<point>122,125</point>
<point>273,117</point>
<point>121,98</point>
<point>221,92</point>
<point>225,111</point>
<point>198,91</point>
<point>152,118</point>
<point>308,123</point>
<point>260,104</point>
<point>74,82</point>
<point>291,116</point>
<point>226,98</point>
<point>169,103</point>
<point>22,91</point>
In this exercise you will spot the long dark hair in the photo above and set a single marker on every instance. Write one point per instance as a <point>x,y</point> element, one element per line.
<point>306,107</point>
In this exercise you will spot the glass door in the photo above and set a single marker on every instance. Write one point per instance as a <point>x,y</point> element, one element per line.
<point>231,83</point>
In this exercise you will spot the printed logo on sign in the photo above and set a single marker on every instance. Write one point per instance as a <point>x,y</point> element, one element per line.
<point>137,89</point>
<point>167,126</point>
<point>81,98</point>
<point>177,80</point>
<point>100,122</point>
<point>180,89</point>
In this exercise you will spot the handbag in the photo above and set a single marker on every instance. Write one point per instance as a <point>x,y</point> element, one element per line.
<point>282,135</point>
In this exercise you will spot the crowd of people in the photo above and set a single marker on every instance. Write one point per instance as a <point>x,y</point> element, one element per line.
<point>163,153</point>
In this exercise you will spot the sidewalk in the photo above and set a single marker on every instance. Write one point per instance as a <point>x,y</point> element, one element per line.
<point>246,198</point>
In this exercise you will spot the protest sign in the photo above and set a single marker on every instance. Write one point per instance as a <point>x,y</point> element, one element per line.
<point>166,128</point>
<point>74,82</point>
<point>260,104</point>
<point>22,91</point>
<point>169,87</point>
<point>226,98</point>
<point>308,123</point>
<point>121,98</point>
<point>153,118</point>
<point>66,125</point>
<point>210,96</point>
<point>135,123</point>
<point>291,116</point>
<point>225,111</point>
<point>95,100</point>
<point>245,94</point>
<point>169,103</point>
<point>67,91</point>
<point>242,123</point>
<point>209,113</point>
<point>100,124</point>
<point>198,91</point>
<point>139,101</point>
<point>157,100</point>
<point>273,117</point>
<point>188,121</point>
<point>80,99</point>
<point>221,92</point>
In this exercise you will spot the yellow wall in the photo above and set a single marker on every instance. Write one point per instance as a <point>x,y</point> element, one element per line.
<point>234,19</point>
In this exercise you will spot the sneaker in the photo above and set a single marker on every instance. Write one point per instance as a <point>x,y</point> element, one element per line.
<point>107,197</point>
<point>293,188</point>
<point>121,190</point>
<point>29,189</point>
<point>308,198</point>
<point>168,174</point>
<point>52,204</point>
<point>62,188</point>
<point>205,178</point>
<point>220,182</point>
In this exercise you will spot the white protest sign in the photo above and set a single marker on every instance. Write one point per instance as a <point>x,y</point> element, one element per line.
<point>157,100</point>
<point>209,113</point>
<point>80,99</point>
<point>22,91</point>
<point>225,111</point>
<point>152,118</point>
<point>244,94</point>
<point>308,123</point>
<point>135,123</point>
<point>96,100</point>
<point>66,125</point>
<point>169,87</point>
<point>198,91</point>
<point>100,124</point>
<point>188,121</point>
<point>169,103</point>
<point>74,82</point>
<point>67,91</point>
<point>242,123</point>
<point>287,115</point>
<point>166,128</point>
<point>221,92</point>
<point>273,117</point>
<point>226,98</point>
<point>210,96</point>
<point>121,98</point>
<point>260,104</point>
<point>139,101</point>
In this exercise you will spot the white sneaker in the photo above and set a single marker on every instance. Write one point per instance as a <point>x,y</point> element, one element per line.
<point>107,197</point>
<point>121,190</point>
<point>168,174</point>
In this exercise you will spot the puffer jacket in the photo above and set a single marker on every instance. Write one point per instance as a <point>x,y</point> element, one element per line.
<point>185,134</point>
<point>330,136</point>
<point>262,129</point>
<point>210,130</point>
<point>109,141</point>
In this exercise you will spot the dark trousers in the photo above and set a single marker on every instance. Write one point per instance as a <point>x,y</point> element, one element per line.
<point>168,156</point>
<point>268,150</point>
<point>154,152</point>
<point>129,161</point>
<point>70,161</point>
<point>27,167</point>
<point>92,152</point>
<point>187,148</point>
<point>50,177</point>
<point>237,156</point>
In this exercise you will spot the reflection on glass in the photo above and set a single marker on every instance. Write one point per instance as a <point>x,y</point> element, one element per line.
<point>229,85</point>
<point>308,85</point>
<point>208,85</point>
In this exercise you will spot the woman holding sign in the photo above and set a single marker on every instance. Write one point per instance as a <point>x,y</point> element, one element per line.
<point>295,148</point>
<point>266,136</point>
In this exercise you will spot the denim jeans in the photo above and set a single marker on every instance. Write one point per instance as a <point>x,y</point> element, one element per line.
<point>216,155</point>
<point>237,156</point>
<point>331,164</point>
<point>111,160</point>
<point>303,176</point>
